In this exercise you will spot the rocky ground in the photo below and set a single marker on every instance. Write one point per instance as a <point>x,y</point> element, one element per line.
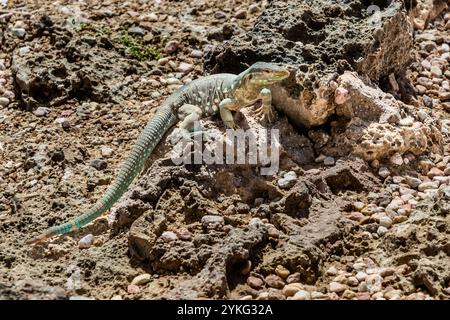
<point>77,84</point>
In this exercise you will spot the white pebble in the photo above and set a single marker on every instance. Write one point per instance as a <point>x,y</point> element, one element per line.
<point>396,159</point>
<point>384,172</point>
<point>86,241</point>
<point>169,236</point>
<point>4,101</point>
<point>332,271</point>
<point>185,67</point>
<point>385,221</point>
<point>361,276</point>
<point>381,231</point>
<point>337,287</point>
<point>301,295</point>
<point>106,151</point>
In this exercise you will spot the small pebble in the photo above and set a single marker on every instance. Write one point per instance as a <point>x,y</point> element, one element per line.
<point>138,31</point>
<point>381,231</point>
<point>183,234</point>
<point>361,276</point>
<point>444,48</point>
<point>396,159</point>
<point>133,289</point>
<point>282,271</point>
<point>332,271</point>
<point>388,271</point>
<point>374,283</point>
<point>436,71</point>
<point>263,296</point>
<point>274,281</point>
<point>219,15</point>
<point>173,81</point>
<point>98,164</point>
<point>141,279</point>
<point>4,101</point>
<point>434,172</point>
<point>363,296</point>
<point>288,180</point>
<point>427,101</point>
<point>329,161</point>
<point>171,46</point>
<point>86,242</point>
<point>209,221</point>
<point>196,54</point>
<point>385,222</point>
<point>255,283</point>
<point>18,32</point>
<point>362,287</point>
<point>185,67</point>
<point>169,236</point>
<point>291,289</point>
<point>295,277</point>
<point>301,295</point>
<point>428,185</point>
<point>352,281</point>
<point>426,64</point>
<point>384,172</point>
<point>393,294</point>
<point>163,61</point>
<point>413,182</point>
<point>106,151</point>
<point>337,287</point>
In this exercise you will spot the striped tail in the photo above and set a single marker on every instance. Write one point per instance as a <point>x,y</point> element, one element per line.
<point>146,142</point>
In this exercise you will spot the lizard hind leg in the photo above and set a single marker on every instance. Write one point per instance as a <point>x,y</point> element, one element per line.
<point>189,116</point>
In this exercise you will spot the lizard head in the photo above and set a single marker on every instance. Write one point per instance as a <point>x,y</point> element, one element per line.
<point>261,74</point>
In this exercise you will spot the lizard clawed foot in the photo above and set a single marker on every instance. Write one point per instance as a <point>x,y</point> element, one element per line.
<point>266,113</point>
<point>231,125</point>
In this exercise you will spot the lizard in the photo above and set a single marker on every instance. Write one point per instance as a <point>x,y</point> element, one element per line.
<point>220,93</point>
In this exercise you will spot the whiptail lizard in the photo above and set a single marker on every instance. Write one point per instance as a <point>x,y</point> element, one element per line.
<point>203,97</point>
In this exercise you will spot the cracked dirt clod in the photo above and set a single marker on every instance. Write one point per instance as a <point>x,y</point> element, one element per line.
<point>41,82</point>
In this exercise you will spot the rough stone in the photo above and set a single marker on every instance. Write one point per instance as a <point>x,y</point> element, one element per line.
<point>274,281</point>
<point>255,283</point>
<point>337,287</point>
<point>306,32</point>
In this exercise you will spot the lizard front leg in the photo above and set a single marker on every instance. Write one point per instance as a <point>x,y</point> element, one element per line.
<point>225,107</point>
<point>266,107</point>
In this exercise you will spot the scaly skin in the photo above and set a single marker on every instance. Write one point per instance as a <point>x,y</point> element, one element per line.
<point>203,97</point>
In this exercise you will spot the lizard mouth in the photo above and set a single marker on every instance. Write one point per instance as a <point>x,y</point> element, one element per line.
<point>281,75</point>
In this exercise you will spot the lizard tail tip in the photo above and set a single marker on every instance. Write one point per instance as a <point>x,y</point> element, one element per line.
<point>42,237</point>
